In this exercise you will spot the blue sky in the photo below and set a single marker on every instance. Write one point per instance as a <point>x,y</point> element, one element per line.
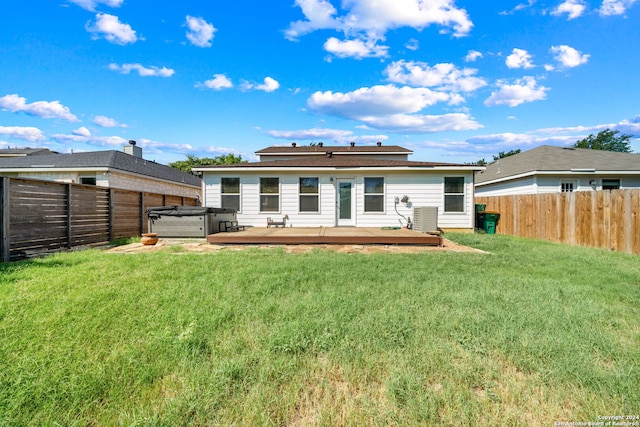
<point>455,81</point>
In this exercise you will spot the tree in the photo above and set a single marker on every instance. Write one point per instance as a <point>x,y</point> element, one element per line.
<point>193,161</point>
<point>481,162</point>
<point>606,140</point>
<point>503,154</point>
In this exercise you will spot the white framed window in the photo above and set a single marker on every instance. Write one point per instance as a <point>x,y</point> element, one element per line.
<point>454,194</point>
<point>230,193</point>
<point>611,184</point>
<point>269,194</point>
<point>309,194</point>
<point>374,194</point>
<point>568,185</point>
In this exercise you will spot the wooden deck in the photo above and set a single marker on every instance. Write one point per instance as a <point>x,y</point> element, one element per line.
<point>324,235</point>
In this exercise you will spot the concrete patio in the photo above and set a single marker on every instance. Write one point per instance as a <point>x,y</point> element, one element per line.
<point>325,235</point>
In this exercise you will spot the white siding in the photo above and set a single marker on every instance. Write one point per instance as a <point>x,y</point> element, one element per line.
<point>423,189</point>
<point>517,186</point>
<point>543,184</point>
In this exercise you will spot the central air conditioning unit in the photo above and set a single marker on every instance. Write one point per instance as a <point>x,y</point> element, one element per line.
<point>425,219</point>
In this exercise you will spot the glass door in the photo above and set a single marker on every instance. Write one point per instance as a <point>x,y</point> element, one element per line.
<point>345,203</point>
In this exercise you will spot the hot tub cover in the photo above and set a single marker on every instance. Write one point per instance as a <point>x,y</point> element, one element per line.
<point>157,212</point>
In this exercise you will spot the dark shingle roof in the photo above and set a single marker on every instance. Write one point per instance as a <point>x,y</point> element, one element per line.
<point>373,149</point>
<point>336,162</point>
<point>548,158</point>
<point>101,159</point>
<point>20,152</point>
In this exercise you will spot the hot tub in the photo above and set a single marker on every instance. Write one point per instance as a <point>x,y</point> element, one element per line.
<point>187,221</point>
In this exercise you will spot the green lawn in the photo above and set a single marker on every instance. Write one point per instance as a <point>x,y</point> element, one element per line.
<point>530,334</point>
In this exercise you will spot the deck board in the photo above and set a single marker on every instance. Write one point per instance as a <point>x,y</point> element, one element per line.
<point>325,235</point>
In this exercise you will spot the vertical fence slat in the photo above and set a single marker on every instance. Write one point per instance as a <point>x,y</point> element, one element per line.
<point>603,219</point>
<point>5,223</point>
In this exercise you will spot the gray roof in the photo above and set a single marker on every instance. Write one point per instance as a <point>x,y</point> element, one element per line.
<point>339,162</point>
<point>101,159</point>
<point>548,158</point>
<point>20,152</point>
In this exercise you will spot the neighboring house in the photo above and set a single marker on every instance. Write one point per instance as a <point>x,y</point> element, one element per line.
<point>361,186</point>
<point>23,152</point>
<point>549,169</point>
<point>114,169</point>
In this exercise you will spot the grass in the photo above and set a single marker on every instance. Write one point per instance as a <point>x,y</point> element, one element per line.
<point>530,334</point>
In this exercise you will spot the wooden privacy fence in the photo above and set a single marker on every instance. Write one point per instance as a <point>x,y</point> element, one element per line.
<point>603,219</point>
<point>40,216</point>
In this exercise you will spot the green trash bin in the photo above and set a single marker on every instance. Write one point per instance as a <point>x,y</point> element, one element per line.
<point>480,216</point>
<point>491,222</point>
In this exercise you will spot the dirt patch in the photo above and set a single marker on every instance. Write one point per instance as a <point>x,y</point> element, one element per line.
<point>201,246</point>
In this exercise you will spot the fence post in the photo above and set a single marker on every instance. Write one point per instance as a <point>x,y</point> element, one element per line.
<point>111,212</point>
<point>141,212</point>
<point>5,224</point>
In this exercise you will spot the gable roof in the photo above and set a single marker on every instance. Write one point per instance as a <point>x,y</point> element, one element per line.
<point>98,159</point>
<point>340,162</point>
<point>548,158</point>
<point>338,149</point>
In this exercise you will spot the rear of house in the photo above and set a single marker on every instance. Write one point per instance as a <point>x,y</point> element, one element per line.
<point>341,186</point>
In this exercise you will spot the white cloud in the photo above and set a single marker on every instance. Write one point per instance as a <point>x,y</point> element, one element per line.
<point>91,4</point>
<point>355,48</point>
<point>573,9</point>
<point>523,90</point>
<point>416,123</point>
<point>200,32</point>
<point>519,140</point>
<point>82,131</point>
<point>472,56</point>
<point>321,134</point>
<point>143,71</point>
<point>114,31</point>
<point>412,44</point>
<point>378,17</point>
<point>107,122</point>
<point>22,132</point>
<point>519,7</point>
<point>218,82</point>
<point>443,76</point>
<point>269,85</point>
<point>392,108</point>
<point>568,56</point>
<point>375,101</point>
<point>90,139</point>
<point>615,7</point>
<point>311,134</point>
<point>43,109</point>
<point>519,58</point>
